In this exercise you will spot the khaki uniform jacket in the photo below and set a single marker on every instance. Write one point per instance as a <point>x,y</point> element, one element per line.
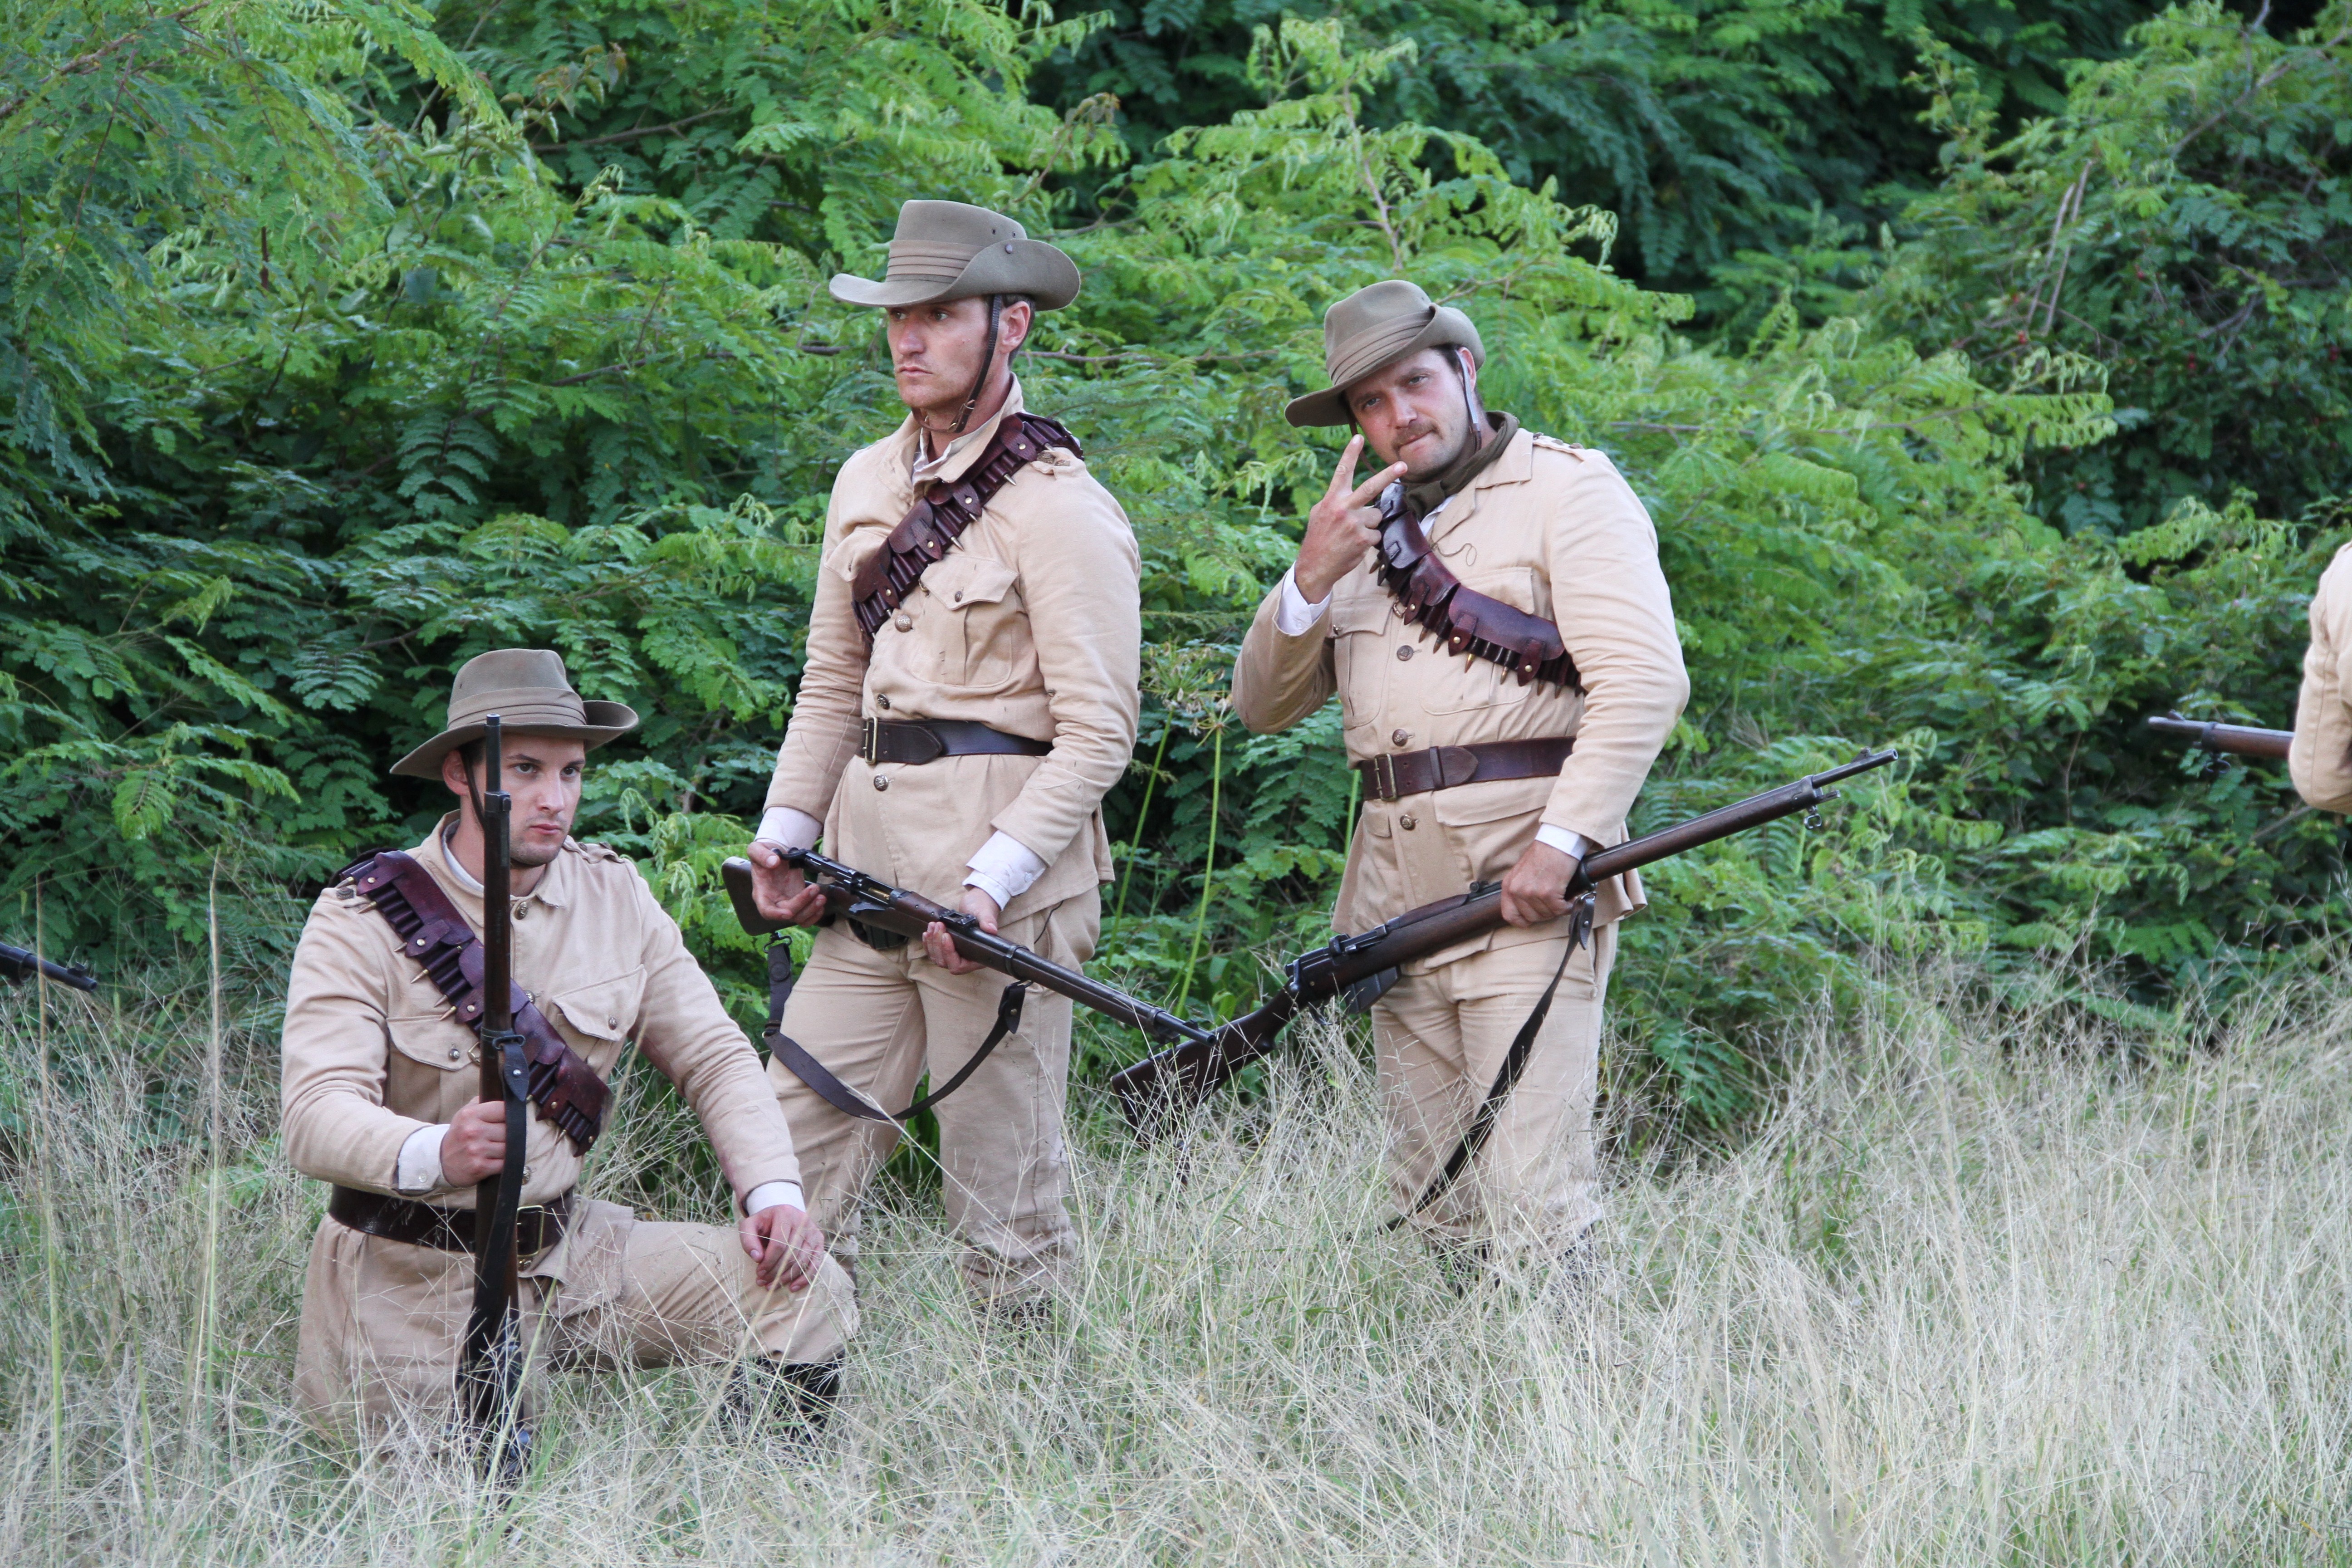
<point>1553,529</point>
<point>1031,625</point>
<point>2320,759</point>
<point>371,1053</point>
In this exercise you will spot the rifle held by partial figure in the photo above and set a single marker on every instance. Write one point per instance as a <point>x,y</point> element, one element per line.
<point>489,1370</point>
<point>2242,740</point>
<point>17,966</point>
<point>1178,1078</point>
<point>877,910</point>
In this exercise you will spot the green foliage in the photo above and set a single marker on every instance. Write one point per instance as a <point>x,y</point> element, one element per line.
<point>350,348</point>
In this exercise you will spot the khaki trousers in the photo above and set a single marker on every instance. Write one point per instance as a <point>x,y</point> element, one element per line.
<point>1440,1039</point>
<point>383,1321</point>
<point>879,1020</point>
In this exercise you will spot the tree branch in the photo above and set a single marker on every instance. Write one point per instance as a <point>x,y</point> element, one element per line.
<point>636,134</point>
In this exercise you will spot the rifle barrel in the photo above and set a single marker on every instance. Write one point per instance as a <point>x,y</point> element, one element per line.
<point>2242,740</point>
<point>19,965</point>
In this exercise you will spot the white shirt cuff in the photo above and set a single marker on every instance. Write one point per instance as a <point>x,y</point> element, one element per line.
<point>1293,615</point>
<point>1003,869</point>
<point>1574,844</point>
<point>788,828</point>
<point>419,1169</point>
<point>768,1194</point>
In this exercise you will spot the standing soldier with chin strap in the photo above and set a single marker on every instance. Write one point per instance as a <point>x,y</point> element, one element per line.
<point>1490,611</point>
<point>970,693</point>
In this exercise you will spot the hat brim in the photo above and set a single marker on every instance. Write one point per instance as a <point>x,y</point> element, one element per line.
<point>607,721</point>
<point>1448,328</point>
<point>1008,266</point>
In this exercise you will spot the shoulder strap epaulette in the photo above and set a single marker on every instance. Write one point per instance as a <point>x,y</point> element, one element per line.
<point>929,531</point>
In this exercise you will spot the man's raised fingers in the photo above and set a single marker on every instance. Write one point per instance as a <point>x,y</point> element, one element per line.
<point>1370,490</point>
<point>1344,476</point>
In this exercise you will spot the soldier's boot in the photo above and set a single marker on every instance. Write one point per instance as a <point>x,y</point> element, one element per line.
<point>791,1400</point>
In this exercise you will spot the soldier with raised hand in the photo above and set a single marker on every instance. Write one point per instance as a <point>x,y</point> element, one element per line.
<point>380,1084</point>
<point>970,692</point>
<point>1489,608</point>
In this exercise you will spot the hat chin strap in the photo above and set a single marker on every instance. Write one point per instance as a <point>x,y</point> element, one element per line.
<point>1478,428</point>
<point>987,364</point>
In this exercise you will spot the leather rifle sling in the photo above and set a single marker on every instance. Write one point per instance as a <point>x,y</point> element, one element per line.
<point>839,1095</point>
<point>1515,1066</point>
<point>567,1090</point>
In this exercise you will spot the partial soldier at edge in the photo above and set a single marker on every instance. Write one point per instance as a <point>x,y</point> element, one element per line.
<point>971,694</point>
<point>1505,749</point>
<point>2319,758</point>
<point>380,1087</point>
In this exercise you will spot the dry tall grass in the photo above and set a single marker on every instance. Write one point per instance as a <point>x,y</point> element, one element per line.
<point>1973,1295</point>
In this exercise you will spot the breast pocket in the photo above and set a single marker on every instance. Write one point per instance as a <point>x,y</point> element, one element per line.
<point>973,619</point>
<point>1458,685</point>
<point>1361,635</point>
<point>434,1068</point>
<point>600,1011</point>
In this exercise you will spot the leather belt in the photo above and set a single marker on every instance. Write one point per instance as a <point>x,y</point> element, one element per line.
<point>929,740</point>
<point>1396,774</point>
<point>538,1226</point>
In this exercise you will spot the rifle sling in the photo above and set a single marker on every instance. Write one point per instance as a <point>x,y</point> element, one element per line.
<point>1465,621</point>
<point>839,1095</point>
<point>567,1090</point>
<point>931,528</point>
<point>1515,1066</point>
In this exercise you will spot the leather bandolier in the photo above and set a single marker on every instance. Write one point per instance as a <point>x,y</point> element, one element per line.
<point>567,1090</point>
<point>1429,595</point>
<point>931,528</point>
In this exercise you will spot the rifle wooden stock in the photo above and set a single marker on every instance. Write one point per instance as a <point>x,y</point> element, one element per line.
<point>2243,740</point>
<point>1178,1079</point>
<point>872,904</point>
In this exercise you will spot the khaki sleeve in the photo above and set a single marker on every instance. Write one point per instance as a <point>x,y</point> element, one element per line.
<point>683,1030</point>
<point>2320,758</point>
<point>1618,620</point>
<point>1279,680</point>
<point>335,1053</point>
<point>823,733</point>
<point>1082,584</point>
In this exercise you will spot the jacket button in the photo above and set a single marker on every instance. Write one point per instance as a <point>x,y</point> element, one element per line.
<point>880,782</point>
<point>903,621</point>
<point>520,910</point>
<point>1399,737</point>
<point>611,1021</point>
<point>1405,653</point>
<point>455,1053</point>
<point>883,703</point>
<point>958,595</point>
<point>1408,821</point>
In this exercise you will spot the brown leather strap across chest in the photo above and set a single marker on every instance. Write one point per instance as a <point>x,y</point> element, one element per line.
<point>927,533</point>
<point>929,740</point>
<point>1429,595</point>
<point>1393,776</point>
<point>567,1090</point>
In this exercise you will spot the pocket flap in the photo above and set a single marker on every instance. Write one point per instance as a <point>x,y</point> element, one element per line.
<point>1360,612</point>
<point>1466,805</point>
<point>433,1040</point>
<point>964,579</point>
<point>604,1009</point>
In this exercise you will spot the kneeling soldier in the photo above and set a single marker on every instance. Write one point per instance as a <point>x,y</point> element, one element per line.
<point>1505,752</point>
<point>2320,759</point>
<point>970,693</point>
<point>381,1082</point>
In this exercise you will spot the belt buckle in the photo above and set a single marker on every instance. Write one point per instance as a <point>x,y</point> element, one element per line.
<point>869,739</point>
<point>1384,776</point>
<point>522,1217</point>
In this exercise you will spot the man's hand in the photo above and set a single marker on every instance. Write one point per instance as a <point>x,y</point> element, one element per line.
<point>785,1245</point>
<point>1341,527</point>
<point>1536,889</point>
<point>781,890</point>
<point>475,1148</point>
<point>942,946</point>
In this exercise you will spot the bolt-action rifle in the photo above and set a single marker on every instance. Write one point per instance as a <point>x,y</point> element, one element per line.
<point>17,966</point>
<point>1176,1080</point>
<point>2241,739</point>
<point>489,1371</point>
<point>886,916</point>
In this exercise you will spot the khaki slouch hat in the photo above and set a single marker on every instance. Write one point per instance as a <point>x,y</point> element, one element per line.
<point>952,250</point>
<point>527,689</point>
<point>1373,328</point>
